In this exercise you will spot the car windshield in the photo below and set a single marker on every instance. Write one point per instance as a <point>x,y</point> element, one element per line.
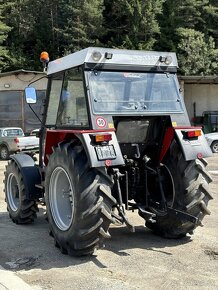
<point>121,92</point>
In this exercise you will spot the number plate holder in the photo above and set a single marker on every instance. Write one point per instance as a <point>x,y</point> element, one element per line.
<point>105,152</point>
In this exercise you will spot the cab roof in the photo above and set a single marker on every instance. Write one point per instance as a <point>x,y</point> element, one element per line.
<point>114,57</point>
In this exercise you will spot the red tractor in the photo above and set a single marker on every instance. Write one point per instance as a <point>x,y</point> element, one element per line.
<point>115,136</point>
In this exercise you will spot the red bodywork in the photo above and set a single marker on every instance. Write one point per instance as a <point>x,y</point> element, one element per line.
<point>168,137</point>
<point>53,137</point>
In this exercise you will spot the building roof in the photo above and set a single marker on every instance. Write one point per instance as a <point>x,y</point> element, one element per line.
<point>186,79</point>
<point>199,79</point>
<point>16,72</point>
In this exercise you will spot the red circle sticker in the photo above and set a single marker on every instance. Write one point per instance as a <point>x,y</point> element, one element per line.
<point>101,122</point>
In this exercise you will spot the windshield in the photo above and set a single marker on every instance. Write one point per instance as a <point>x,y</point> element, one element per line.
<point>127,92</point>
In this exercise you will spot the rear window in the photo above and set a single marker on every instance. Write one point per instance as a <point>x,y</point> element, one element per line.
<point>13,132</point>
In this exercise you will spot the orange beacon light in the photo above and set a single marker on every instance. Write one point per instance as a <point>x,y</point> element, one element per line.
<point>44,57</point>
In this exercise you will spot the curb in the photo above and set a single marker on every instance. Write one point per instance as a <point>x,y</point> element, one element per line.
<point>10,281</point>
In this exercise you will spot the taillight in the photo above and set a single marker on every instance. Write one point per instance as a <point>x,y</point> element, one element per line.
<point>192,134</point>
<point>98,138</point>
<point>16,140</point>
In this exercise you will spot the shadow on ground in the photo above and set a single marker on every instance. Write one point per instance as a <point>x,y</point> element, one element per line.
<point>25,247</point>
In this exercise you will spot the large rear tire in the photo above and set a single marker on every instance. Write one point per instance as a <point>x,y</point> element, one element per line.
<point>191,195</point>
<point>21,210</point>
<point>78,200</point>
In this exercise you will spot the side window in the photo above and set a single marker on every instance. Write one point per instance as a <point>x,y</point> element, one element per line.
<point>54,98</point>
<point>72,109</point>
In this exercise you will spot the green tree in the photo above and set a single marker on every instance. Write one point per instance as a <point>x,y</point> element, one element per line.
<point>188,28</point>
<point>211,20</point>
<point>34,29</point>
<point>196,55</point>
<point>194,14</point>
<point>4,29</point>
<point>132,23</point>
<point>28,27</point>
<point>83,27</point>
<point>13,17</point>
<point>58,26</point>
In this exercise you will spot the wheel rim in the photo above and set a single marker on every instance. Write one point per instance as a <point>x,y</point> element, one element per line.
<point>215,147</point>
<point>61,198</point>
<point>4,153</point>
<point>13,192</point>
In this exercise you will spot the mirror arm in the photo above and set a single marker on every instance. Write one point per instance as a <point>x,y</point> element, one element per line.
<point>36,80</point>
<point>35,114</point>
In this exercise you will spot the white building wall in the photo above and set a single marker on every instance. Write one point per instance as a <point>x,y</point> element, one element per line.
<point>205,96</point>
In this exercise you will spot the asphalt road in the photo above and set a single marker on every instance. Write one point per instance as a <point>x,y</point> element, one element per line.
<point>130,261</point>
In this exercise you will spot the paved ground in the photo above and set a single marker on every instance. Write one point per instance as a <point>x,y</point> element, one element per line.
<point>130,261</point>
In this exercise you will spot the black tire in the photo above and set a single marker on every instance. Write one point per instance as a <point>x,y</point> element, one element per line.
<point>4,152</point>
<point>191,195</point>
<point>21,210</point>
<point>82,194</point>
<point>214,147</point>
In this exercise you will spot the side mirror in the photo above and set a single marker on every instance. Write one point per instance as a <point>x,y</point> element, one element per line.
<point>30,94</point>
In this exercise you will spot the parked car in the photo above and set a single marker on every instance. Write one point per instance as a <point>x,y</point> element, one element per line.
<point>35,132</point>
<point>212,139</point>
<point>13,140</point>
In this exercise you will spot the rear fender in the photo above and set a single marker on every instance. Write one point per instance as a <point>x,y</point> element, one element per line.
<point>30,173</point>
<point>91,151</point>
<point>193,148</point>
<point>53,137</point>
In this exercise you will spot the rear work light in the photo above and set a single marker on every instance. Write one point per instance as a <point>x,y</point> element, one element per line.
<point>192,134</point>
<point>101,138</point>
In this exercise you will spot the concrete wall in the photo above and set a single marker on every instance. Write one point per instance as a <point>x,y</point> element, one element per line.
<point>18,81</point>
<point>14,111</point>
<point>204,95</point>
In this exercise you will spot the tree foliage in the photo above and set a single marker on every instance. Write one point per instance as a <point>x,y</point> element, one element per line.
<point>83,25</point>
<point>196,56</point>
<point>4,30</point>
<point>132,23</point>
<point>188,27</point>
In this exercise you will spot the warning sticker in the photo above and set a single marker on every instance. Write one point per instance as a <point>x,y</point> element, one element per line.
<point>110,125</point>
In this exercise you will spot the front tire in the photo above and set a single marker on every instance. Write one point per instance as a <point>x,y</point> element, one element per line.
<point>78,200</point>
<point>21,210</point>
<point>191,195</point>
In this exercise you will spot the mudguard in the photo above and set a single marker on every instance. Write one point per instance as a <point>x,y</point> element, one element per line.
<point>30,173</point>
<point>92,155</point>
<point>193,149</point>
